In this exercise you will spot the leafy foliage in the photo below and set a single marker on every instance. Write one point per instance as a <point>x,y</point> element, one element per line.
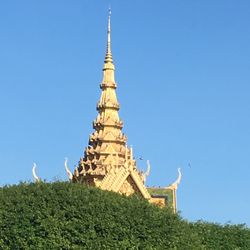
<point>71,216</point>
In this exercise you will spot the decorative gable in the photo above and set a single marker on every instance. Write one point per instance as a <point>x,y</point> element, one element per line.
<point>129,187</point>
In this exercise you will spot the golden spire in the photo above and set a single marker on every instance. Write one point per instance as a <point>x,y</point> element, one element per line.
<point>107,162</point>
<point>108,57</point>
<point>108,68</point>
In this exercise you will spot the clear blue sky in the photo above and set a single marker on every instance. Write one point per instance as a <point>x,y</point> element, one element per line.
<point>183,74</point>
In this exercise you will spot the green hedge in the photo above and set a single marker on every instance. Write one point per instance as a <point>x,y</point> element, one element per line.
<point>71,216</point>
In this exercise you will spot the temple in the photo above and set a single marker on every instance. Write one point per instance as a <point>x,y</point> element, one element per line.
<point>107,162</point>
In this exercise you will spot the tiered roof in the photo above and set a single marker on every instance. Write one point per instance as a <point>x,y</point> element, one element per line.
<point>108,163</point>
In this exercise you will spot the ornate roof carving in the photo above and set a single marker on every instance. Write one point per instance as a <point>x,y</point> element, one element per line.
<point>107,162</point>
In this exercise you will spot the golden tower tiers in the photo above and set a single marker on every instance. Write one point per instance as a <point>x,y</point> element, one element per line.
<point>107,162</point>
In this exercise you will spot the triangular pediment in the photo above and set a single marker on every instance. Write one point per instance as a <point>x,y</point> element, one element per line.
<point>109,136</point>
<point>110,160</point>
<point>129,187</point>
<point>133,184</point>
<point>110,149</point>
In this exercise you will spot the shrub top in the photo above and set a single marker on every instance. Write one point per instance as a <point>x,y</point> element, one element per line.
<point>63,215</point>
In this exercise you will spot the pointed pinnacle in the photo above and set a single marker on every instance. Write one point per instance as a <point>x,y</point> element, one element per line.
<point>108,57</point>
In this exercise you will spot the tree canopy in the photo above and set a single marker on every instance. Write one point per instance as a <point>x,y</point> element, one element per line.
<point>64,215</point>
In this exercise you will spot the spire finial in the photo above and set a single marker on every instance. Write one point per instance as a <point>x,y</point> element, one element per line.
<point>109,15</point>
<point>108,57</point>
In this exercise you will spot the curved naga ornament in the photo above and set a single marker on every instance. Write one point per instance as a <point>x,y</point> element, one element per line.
<point>144,175</point>
<point>177,182</point>
<point>70,175</point>
<point>148,169</point>
<point>36,178</point>
<point>174,187</point>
